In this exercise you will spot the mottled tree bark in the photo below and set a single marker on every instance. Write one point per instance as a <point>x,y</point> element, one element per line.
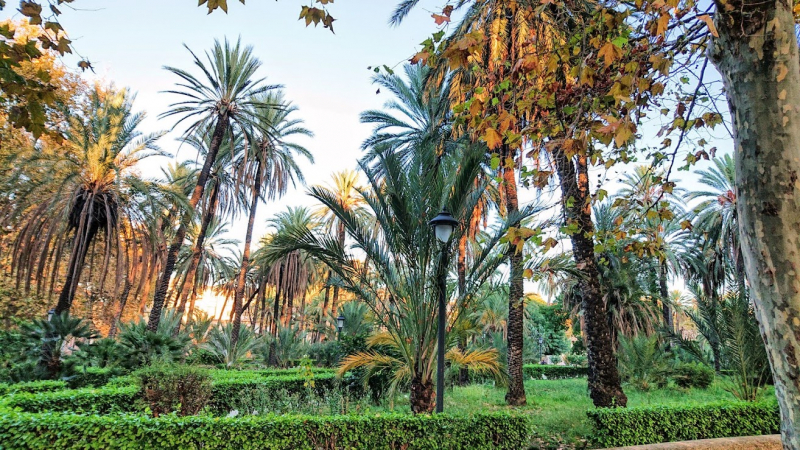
<point>516,311</point>
<point>605,388</point>
<point>172,254</point>
<point>757,54</point>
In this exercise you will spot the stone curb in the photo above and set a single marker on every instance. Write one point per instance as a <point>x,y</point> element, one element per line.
<point>770,442</point>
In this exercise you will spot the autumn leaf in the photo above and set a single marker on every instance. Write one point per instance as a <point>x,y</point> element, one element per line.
<point>492,138</point>
<point>440,19</point>
<point>709,21</point>
<point>610,53</point>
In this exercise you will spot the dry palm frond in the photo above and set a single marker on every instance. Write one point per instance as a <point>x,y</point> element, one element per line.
<point>483,361</point>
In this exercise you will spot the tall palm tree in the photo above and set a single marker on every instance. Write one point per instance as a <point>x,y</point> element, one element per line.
<point>273,170</point>
<point>86,191</point>
<point>717,222</point>
<point>347,192</point>
<point>224,100</point>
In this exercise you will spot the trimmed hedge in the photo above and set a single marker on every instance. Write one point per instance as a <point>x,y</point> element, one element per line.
<point>552,372</point>
<point>619,427</point>
<point>92,377</point>
<point>61,431</point>
<point>224,394</point>
<point>32,387</point>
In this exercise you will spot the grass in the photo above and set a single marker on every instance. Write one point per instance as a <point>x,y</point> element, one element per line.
<point>558,407</point>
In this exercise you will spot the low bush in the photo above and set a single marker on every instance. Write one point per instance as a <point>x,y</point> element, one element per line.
<point>497,430</point>
<point>92,377</point>
<point>539,371</point>
<point>184,390</point>
<point>121,396</point>
<point>100,401</point>
<point>618,427</point>
<point>32,387</point>
<point>696,375</point>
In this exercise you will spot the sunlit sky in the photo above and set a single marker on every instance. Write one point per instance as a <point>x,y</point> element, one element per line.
<point>324,74</point>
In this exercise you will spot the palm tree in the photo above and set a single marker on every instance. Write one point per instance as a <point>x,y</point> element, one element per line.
<point>347,192</point>
<point>86,191</point>
<point>291,273</point>
<point>275,168</point>
<point>400,288</point>
<point>716,221</point>
<point>225,101</point>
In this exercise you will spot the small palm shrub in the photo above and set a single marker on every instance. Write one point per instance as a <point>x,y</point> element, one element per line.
<point>693,375</point>
<point>141,347</point>
<point>181,389</point>
<point>643,363</point>
<point>53,342</point>
<point>220,348</point>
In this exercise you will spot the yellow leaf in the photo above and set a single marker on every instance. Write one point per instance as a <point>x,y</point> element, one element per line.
<point>610,52</point>
<point>492,138</point>
<point>710,24</point>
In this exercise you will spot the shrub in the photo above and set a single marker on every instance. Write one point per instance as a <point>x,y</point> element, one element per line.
<point>497,430</point>
<point>140,347</point>
<point>577,360</point>
<point>184,390</point>
<point>33,387</point>
<point>696,375</point>
<point>643,362</point>
<point>92,377</point>
<point>100,401</point>
<point>538,371</point>
<point>617,427</point>
<point>122,392</point>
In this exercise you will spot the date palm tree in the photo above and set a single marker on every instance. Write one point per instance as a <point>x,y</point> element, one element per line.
<point>224,99</point>
<point>85,191</point>
<point>346,190</point>
<point>405,259</point>
<point>273,167</point>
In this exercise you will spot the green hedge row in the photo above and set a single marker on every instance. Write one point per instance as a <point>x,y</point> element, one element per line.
<point>63,431</point>
<point>32,386</point>
<point>552,372</point>
<point>224,394</point>
<point>618,427</point>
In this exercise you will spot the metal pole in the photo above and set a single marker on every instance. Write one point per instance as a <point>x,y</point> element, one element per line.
<point>442,325</point>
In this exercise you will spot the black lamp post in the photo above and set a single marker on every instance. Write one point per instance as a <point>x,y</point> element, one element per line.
<point>443,226</point>
<point>339,326</point>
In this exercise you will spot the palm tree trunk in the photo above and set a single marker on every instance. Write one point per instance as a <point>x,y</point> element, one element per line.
<point>341,237</point>
<point>665,310</point>
<point>248,238</point>
<point>421,397</point>
<point>604,382</point>
<point>122,301</point>
<point>324,312</point>
<point>221,126</point>
<point>77,260</point>
<point>197,252</point>
<point>516,313</point>
<point>272,360</point>
<point>461,267</point>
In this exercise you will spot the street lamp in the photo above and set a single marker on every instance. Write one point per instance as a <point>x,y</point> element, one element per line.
<point>443,226</point>
<point>339,326</point>
<point>50,314</point>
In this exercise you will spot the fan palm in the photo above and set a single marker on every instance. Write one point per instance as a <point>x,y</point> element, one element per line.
<point>275,168</point>
<point>224,99</point>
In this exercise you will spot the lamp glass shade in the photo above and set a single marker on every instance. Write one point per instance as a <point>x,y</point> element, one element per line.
<point>340,322</point>
<point>443,232</point>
